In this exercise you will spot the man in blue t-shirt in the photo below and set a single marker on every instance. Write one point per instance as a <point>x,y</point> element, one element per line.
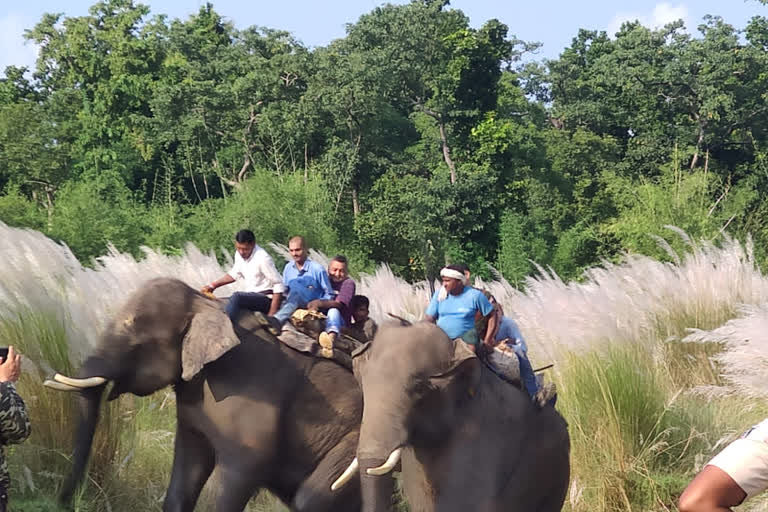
<point>455,313</point>
<point>305,279</point>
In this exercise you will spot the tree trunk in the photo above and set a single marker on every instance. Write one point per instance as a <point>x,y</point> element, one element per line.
<point>699,141</point>
<point>49,207</point>
<point>355,201</point>
<point>447,152</point>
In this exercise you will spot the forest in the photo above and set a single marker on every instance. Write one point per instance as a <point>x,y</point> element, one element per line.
<point>415,140</point>
<point>613,200</point>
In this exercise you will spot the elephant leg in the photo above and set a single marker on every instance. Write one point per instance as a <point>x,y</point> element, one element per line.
<point>193,461</point>
<point>315,493</point>
<point>236,486</point>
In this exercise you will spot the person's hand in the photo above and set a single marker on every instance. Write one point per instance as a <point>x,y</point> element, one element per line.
<point>10,369</point>
<point>313,305</point>
<point>207,289</point>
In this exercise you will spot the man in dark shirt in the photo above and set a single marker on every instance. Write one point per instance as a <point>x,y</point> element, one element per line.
<point>337,308</point>
<point>362,328</point>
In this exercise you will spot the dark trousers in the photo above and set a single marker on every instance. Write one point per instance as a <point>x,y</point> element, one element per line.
<point>247,300</point>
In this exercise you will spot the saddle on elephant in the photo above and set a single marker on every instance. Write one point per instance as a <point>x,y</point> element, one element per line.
<point>302,332</point>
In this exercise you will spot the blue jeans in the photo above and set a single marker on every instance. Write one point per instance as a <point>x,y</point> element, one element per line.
<point>335,322</point>
<point>291,303</point>
<point>526,374</point>
<point>247,300</point>
<point>526,370</point>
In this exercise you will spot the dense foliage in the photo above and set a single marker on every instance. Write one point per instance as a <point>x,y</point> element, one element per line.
<point>415,140</point>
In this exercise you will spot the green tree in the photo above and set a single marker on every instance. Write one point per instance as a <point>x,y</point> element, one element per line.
<point>97,71</point>
<point>92,213</point>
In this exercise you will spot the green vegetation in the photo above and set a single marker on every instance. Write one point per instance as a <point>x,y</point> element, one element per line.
<point>414,140</point>
<point>645,406</point>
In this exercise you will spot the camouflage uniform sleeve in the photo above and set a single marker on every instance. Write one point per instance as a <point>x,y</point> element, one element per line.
<point>14,422</point>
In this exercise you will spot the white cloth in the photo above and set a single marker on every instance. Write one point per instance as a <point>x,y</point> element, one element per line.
<point>453,274</point>
<point>746,460</point>
<point>258,272</point>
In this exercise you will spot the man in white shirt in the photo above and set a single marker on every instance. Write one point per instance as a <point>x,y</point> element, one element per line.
<point>264,285</point>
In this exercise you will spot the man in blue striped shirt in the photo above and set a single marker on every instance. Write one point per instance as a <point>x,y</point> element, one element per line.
<point>306,280</point>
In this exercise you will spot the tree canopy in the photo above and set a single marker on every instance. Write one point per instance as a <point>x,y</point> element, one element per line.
<point>415,140</point>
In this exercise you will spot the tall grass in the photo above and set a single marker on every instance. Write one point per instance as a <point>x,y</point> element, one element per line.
<point>657,364</point>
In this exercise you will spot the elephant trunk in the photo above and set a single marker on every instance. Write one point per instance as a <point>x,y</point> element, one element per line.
<point>376,491</point>
<point>382,437</point>
<point>88,411</point>
<point>88,404</point>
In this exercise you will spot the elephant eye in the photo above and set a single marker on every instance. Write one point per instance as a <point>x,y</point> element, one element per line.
<point>419,388</point>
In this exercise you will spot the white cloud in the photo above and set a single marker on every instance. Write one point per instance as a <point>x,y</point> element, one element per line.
<point>665,13</point>
<point>661,14</point>
<point>14,49</point>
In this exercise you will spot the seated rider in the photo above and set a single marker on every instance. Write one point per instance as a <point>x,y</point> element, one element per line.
<point>508,333</point>
<point>362,328</point>
<point>306,281</point>
<point>263,286</point>
<point>337,309</point>
<point>456,313</point>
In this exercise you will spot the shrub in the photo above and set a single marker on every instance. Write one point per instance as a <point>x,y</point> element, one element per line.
<point>91,214</point>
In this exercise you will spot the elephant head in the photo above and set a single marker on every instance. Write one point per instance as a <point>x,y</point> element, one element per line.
<point>162,335</point>
<point>414,380</point>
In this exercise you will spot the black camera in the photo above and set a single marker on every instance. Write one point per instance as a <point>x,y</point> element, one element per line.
<point>4,353</point>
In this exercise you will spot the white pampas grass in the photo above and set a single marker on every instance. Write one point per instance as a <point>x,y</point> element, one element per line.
<point>713,293</point>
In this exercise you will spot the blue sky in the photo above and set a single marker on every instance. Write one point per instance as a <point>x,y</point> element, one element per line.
<point>317,22</point>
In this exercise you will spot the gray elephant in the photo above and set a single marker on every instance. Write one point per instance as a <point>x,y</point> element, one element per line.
<point>263,414</point>
<point>465,439</point>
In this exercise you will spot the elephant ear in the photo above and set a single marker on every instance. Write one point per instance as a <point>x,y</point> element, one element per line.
<point>359,357</point>
<point>464,366</point>
<point>209,336</point>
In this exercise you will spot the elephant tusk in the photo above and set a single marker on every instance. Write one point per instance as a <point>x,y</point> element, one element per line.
<point>346,476</point>
<point>58,386</point>
<point>79,383</point>
<point>389,465</point>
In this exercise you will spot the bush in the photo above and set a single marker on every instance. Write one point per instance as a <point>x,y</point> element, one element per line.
<point>512,260</point>
<point>16,210</point>
<point>698,203</point>
<point>100,210</point>
<point>273,207</point>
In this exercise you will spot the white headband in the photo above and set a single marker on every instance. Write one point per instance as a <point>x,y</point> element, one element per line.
<point>453,274</point>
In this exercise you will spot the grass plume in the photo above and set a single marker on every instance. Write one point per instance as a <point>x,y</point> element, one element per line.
<point>656,364</point>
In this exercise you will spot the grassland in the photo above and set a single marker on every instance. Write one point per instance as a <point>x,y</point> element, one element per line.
<point>650,361</point>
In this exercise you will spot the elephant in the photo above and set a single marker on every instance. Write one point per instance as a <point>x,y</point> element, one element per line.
<point>464,438</point>
<point>264,415</point>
